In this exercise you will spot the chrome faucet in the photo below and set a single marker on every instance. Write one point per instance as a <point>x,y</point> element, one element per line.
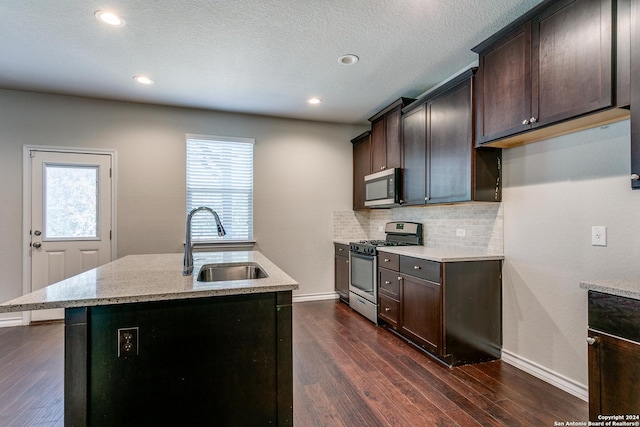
<point>187,269</point>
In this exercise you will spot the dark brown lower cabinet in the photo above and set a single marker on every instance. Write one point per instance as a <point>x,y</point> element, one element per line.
<point>341,271</point>
<point>452,310</point>
<point>614,356</point>
<point>203,361</point>
<point>421,311</point>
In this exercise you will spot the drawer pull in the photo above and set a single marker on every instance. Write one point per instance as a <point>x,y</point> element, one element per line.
<point>340,250</point>
<point>387,309</point>
<point>416,267</point>
<point>386,282</point>
<point>387,260</point>
<point>591,341</point>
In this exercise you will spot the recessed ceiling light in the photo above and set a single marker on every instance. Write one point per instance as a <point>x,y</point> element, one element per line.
<point>314,100</point>
<point>109,18</point>
<point>143,80</point>
<point>348,59</point>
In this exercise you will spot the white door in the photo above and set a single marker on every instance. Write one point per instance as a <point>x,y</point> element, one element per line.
<point>70,218</point>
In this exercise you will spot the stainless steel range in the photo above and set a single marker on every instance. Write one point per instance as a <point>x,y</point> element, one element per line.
<point>363,262</point>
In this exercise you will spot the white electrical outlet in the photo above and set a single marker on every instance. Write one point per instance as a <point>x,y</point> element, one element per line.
<point>598,236</point>
<point>461,232</point>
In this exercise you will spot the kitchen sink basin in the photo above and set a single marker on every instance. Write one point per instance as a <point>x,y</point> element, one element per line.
<point>217,273</point>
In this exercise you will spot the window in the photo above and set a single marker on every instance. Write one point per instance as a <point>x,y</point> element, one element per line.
<point>220,176</point>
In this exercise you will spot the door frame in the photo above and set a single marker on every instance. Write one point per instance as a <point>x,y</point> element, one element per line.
<point>26,207</point>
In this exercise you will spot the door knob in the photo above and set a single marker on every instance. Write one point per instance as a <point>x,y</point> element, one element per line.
<point>525,122</point>
<point>591,341</point>
<point>36,245</point>
<point>635,176</point>
<point>37,232</point>
<point>533,120</point>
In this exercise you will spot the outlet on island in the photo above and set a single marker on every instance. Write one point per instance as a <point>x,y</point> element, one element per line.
<point>128,342</point>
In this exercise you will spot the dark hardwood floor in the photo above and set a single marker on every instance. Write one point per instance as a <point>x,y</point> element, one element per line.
<point>347,372</point>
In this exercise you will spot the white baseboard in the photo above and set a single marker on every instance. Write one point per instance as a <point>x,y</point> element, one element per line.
<point>315,297</point>
<point>11,321</point>
<point>563,383</point>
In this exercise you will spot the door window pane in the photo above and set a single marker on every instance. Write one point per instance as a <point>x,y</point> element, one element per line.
<point>71,202</point>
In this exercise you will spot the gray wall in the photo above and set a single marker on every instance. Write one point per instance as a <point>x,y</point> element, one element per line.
<point>302,174</point>
<point>554,192</point>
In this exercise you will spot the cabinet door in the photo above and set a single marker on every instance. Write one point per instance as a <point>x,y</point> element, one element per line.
<point>342,276</point>
<point>421,312</point>
<point>393,122</point>
<point>378,145</point>
<point>361,167</point>
<point>504,87</point>
<point>571,60</point>
<point>635,94</point>
<point>614,377</point>
<point>450,146</point>
<point>414,128</point>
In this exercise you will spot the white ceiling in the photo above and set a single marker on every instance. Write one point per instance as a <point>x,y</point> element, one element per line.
<point>254,56</point>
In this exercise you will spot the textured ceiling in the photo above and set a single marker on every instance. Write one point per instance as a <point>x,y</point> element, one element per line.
<point>254,56</point>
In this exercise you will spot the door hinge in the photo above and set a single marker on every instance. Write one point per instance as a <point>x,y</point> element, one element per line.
<point>110,234</point>
<point>109,172</point>
<point>32,153</point>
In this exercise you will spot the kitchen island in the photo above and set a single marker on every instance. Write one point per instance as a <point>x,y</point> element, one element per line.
<point>145,345</point>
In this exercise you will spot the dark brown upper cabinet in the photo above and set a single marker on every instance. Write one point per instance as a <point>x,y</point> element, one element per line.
<point>556,63</point>
<point>361,167</point>
<point>441,164</point>
<point>386,142</point>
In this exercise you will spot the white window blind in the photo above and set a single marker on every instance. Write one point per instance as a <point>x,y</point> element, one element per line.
<point>220,176</point>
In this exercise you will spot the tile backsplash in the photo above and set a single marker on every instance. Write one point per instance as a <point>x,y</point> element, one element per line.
<point>481,224</point>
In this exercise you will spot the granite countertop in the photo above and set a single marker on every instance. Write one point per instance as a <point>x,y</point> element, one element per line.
<point>629,288</point>
<point>142,278</point>
<point>441,254</point>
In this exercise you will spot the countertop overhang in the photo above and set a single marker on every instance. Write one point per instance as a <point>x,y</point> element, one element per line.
<point>629,288</point>
<point>441,254</point>
<point>156,277</point>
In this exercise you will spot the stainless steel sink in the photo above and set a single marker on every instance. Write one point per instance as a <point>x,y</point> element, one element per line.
<point>217,273</point>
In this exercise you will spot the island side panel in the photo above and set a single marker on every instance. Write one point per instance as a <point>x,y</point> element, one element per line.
<point>75,366</point>
<point>206,361</point>
<point>285,358</point>
<point>473,311</point>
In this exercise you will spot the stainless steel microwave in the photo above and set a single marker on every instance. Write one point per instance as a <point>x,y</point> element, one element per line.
<point>382,189</point>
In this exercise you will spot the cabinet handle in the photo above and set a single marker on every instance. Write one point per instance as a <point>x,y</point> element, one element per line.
<point>635,176</point>
<point>347,261</point>
<point>416,267</point>
<point>525,122</point>
<point>387,309</point>
<point>533,120</point>
<point>386,282</point>
<point>591,341</point>
<point>340,250</point>
<point>387,260</point>
<point>382,167</point>
<point>399,278</point>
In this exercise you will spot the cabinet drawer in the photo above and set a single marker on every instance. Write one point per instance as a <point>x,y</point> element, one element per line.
<point>390,261</point>
<point>388,309</point>
<point>615,315</point>
<point>422,268</point>
<point>341,250</point>
<point>388,282</point>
